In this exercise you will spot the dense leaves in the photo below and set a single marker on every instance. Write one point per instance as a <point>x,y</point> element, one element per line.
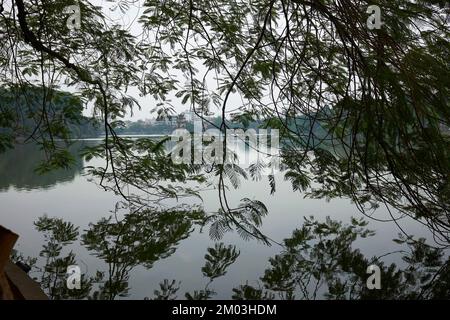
<point>362,113</point>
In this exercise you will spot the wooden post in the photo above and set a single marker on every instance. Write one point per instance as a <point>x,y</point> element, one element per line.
<point>15,284</point>
<point>7,241</point>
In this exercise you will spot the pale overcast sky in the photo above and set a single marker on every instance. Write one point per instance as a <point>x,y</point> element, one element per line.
<point>130,21</point>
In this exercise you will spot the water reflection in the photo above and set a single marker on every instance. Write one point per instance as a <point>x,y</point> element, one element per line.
<point>142,237</point>
<point>318,261</point>
<point>128,244</point>
<point>17,168</point>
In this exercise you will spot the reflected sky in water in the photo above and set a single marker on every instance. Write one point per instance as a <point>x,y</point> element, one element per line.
<point>25,196</point>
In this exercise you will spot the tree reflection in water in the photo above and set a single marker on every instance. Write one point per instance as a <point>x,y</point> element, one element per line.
<point>319,260</point>
<point>18,167</point>
<point>141,238</point>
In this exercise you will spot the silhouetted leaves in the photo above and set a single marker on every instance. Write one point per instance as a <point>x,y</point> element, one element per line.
<point>167,290</point>
<point>218,259</point>
<point>320,261</point>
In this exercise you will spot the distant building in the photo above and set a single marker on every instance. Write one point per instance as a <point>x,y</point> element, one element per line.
<point>165,118</point>
<point>190,116</point>
<point>149,122</point>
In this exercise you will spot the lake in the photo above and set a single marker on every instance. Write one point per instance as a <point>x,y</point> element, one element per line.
<point>69,194</point>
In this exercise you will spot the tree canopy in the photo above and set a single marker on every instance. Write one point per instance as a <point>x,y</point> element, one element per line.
<point>382,95</point>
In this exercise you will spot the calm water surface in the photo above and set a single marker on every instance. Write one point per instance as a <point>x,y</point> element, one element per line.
<point>25,196</point>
